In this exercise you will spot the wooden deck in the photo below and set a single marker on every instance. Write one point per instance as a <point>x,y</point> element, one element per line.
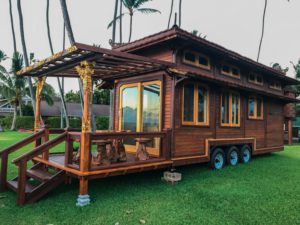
<point>57,160</point>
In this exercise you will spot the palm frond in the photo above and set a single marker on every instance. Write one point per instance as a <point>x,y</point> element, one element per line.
<point>148,10</point>
<point>2,56</point>
<point>117,19</point>
<point>17,62</point>
<point>7,92</point>
<point>138,3</point>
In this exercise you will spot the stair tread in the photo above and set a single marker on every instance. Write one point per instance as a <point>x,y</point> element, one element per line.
<point>39,174</point>
<point>14,185</point>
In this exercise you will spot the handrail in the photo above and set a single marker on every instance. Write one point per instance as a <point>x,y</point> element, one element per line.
<point>41,148</point>
<point>23,142</point>
<point>95,136</point>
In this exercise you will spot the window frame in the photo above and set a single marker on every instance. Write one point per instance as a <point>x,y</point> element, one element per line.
<point>230,74</point>
<point>140,87</point>
<point>255,79</point>
<point>276,87</point>
<point>195,121</point>
<point>230,123</point>
<point>196,63</point>
<point>255,117</point>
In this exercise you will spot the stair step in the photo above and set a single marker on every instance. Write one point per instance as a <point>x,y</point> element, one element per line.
<point>13,184</point>
<point>39,174</point>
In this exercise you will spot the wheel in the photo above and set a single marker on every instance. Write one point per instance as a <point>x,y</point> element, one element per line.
<point>232,156</point>
<point>245,154</point>
<point>217,160</point>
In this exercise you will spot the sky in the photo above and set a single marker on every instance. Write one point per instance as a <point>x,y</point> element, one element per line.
<point>234,24</point>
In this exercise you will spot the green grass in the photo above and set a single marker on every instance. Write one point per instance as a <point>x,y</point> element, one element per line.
<point>265,191</point>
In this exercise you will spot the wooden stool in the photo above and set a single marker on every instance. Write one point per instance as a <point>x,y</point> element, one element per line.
<point>104,149</point>
<point>141,153</point>
<point>119,151</point>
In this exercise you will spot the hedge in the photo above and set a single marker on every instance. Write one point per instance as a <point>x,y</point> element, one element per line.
<point>27,122</point>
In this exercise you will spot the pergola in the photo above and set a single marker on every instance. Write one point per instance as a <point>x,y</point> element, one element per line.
<point>88,63</point>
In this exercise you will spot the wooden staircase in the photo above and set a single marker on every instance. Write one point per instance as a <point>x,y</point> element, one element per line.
<point>33,183</point>
<point>39,181</point>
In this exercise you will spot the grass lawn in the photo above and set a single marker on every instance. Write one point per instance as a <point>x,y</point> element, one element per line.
<point>265,191</point>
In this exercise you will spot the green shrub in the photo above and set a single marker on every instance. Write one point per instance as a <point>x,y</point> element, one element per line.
<point>54,122</point>
<point>24,122</point>
<point>102,122</point>
<point>27,110</point>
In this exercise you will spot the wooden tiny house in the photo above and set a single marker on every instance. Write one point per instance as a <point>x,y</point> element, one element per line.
<point>177,99</point>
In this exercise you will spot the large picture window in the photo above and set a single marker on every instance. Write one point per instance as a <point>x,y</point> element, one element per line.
<point>255,108</point>
<point>230,109</point>
<point>195,105</point>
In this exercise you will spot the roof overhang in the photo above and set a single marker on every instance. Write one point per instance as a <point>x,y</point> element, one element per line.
<point>176,33</point>
<point>108,64</point>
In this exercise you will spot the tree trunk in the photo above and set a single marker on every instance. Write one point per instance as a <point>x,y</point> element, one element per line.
<point>25,52</point>
<point>114,23</point>
<point>48,28</point>
<point>130,27</point>
<point>171,11</point>
<point>14,121</point>
<point>12,26</point>
<point>58,81</point>
<point>263,30</point>
<point>120,31</point>
<point>179,16</point>
<point>65,13</point>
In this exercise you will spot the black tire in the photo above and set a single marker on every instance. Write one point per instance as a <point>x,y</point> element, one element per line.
<point>232,156</point>
<point>245,154</point>
<point>217,159</point>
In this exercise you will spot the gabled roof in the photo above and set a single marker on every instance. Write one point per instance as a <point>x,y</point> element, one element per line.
<point>176,33</point>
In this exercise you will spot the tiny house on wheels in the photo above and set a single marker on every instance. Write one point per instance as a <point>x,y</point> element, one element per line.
<point>177,99</point>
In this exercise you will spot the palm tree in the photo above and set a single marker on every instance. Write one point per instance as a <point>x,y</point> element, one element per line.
<point>12,87</point>
<point>25,51</point>
<point>120,24</point>
<point>179,16</point>
<point>263,30</point>
<point>171,11</point>
<point>132,7</point>
<point>12,26</point>
<point>114,22</point>
<point>69,30</point>
<point>52,52</point>
<point>65,13</point>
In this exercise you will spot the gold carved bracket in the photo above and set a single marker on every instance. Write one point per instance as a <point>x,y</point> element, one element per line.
<point>85,72</point>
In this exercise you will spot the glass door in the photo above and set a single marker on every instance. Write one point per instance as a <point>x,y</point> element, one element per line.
<point>140,109</point>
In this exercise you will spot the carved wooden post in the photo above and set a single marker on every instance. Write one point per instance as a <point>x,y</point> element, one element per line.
<point>85,72</point>
<point>37,120</point>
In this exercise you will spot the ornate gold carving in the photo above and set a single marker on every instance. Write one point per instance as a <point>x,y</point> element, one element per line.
<point>40,82</point>
<point>42,62</point>
<point>85,72</point>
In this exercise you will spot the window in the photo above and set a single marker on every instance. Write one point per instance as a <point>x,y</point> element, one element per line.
<point>255,79</point>
<point>230,109</point>
<point>255,108</point>
<point>195,105</point>
<point>230,70</point>
<point>275,85</point>
<point>196,59</point>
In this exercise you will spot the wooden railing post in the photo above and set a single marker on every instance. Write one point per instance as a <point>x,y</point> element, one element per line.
<point>3,172</point>
<point>21,197</point>
<point>46,139</point>
<point>69,149</point>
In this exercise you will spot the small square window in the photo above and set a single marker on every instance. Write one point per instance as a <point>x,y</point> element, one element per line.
<point>203,61</point>
<point>189,56</point>
<point>226,69</point>
<point>235,72</point>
